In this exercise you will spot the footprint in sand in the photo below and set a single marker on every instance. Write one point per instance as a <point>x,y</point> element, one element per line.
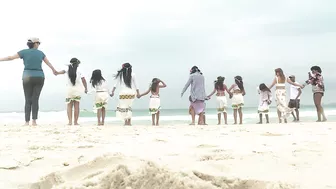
<point>207,146</point>
<point>216,157</point>
<point>271,134</point>
<point>86,146</point>
<point>159,140</point>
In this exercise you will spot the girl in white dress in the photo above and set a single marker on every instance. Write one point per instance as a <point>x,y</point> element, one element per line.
<point>264,102</point>
<point>220,88</point>
<point>99,85</point>
<point>154,102</point>
<point>128,90</point>
<point>75,88</point>
<point>238,93</point>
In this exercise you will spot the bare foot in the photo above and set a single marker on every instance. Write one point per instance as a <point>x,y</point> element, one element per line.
<point>324,120</point>
<point>259,123</point>
<point>240,123</point>
<point>285,120</point>
<point>235,123</point>
<point>192,124</point>
<point>69,124</point>
<point>34,123</point>
<point>26,124</point>
<point>76,123</point>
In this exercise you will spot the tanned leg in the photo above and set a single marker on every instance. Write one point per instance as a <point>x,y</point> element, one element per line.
<point>225,118</point>
<point>103,115</point>
<point>99,112</point>
<point>157,118</point>
<point>240,116</point>
<point>76,112</point>
<point>69,111</point>
<point>235,116</point>
<point>260,118</point>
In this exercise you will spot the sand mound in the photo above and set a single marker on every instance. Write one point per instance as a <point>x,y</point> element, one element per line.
<point>118,172</point>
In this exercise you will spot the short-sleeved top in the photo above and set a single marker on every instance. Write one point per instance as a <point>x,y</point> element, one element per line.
<point>32,60</point>
<point>79,77</point>
<point>294,91</point>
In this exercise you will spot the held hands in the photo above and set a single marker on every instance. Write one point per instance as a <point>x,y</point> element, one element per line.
<point>112,94</point>
<point>55,72</point>
<point>86,91</point>
<point>138,96</point>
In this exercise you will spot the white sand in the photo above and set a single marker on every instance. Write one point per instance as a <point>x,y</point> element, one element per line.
<point>146,157</point>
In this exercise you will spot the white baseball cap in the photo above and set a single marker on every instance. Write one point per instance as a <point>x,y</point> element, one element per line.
<point>34,40</point>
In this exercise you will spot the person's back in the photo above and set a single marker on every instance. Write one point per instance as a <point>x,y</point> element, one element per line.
<point>32,60</point>
<point>197,87</point>
<point>78,81</point>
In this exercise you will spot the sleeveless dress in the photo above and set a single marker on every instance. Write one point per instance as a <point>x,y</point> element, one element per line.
<point>237,98</point>
<point>280,98</point>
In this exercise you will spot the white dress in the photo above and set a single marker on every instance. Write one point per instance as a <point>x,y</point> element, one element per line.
<point>102,95</point>
<point>237,98</point>
<point>126,98</point>
<point>74,92</point>
<point>264,101</point>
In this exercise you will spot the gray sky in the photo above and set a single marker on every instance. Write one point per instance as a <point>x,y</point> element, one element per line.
<point>165,39</point>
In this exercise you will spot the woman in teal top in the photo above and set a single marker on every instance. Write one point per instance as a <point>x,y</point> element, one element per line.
<point>32,77</point>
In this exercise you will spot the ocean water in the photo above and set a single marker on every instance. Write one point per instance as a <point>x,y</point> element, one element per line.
<point>167,117</point>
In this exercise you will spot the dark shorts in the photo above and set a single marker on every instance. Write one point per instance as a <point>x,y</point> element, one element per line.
<point>294,103</point>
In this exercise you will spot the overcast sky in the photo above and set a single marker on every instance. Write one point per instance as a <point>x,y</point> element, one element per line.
<point>165,39</point>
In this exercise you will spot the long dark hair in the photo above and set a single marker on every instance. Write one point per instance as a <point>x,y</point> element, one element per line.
<point>239,82</point>
<point>125,73</point>
<point>195,69</point>
<point>96,78</point>
<point>263,87</point>
<point>72,70</point>
<point>155,82</point>
<point>219,83</point>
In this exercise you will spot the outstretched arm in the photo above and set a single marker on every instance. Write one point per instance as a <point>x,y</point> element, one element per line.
<point>186,86</point>
<point>145,93</point>
<point>61,72</point>
<point>292,83</point>
<point>163,85</point>
<point>212,93</point>
<point>9,58</point>
<point>273,83</point>
<point>50,65</point>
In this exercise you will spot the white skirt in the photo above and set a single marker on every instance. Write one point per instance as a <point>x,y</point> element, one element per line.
<point>263,108</point>
<point>101,100</point>
<point>124,108</point>
<point>73,94</point>
<point>221,104</point>
<point>237,101</point>
<point>154,104</point>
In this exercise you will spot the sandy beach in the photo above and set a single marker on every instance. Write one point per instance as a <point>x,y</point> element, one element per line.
<point>270,156</point>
